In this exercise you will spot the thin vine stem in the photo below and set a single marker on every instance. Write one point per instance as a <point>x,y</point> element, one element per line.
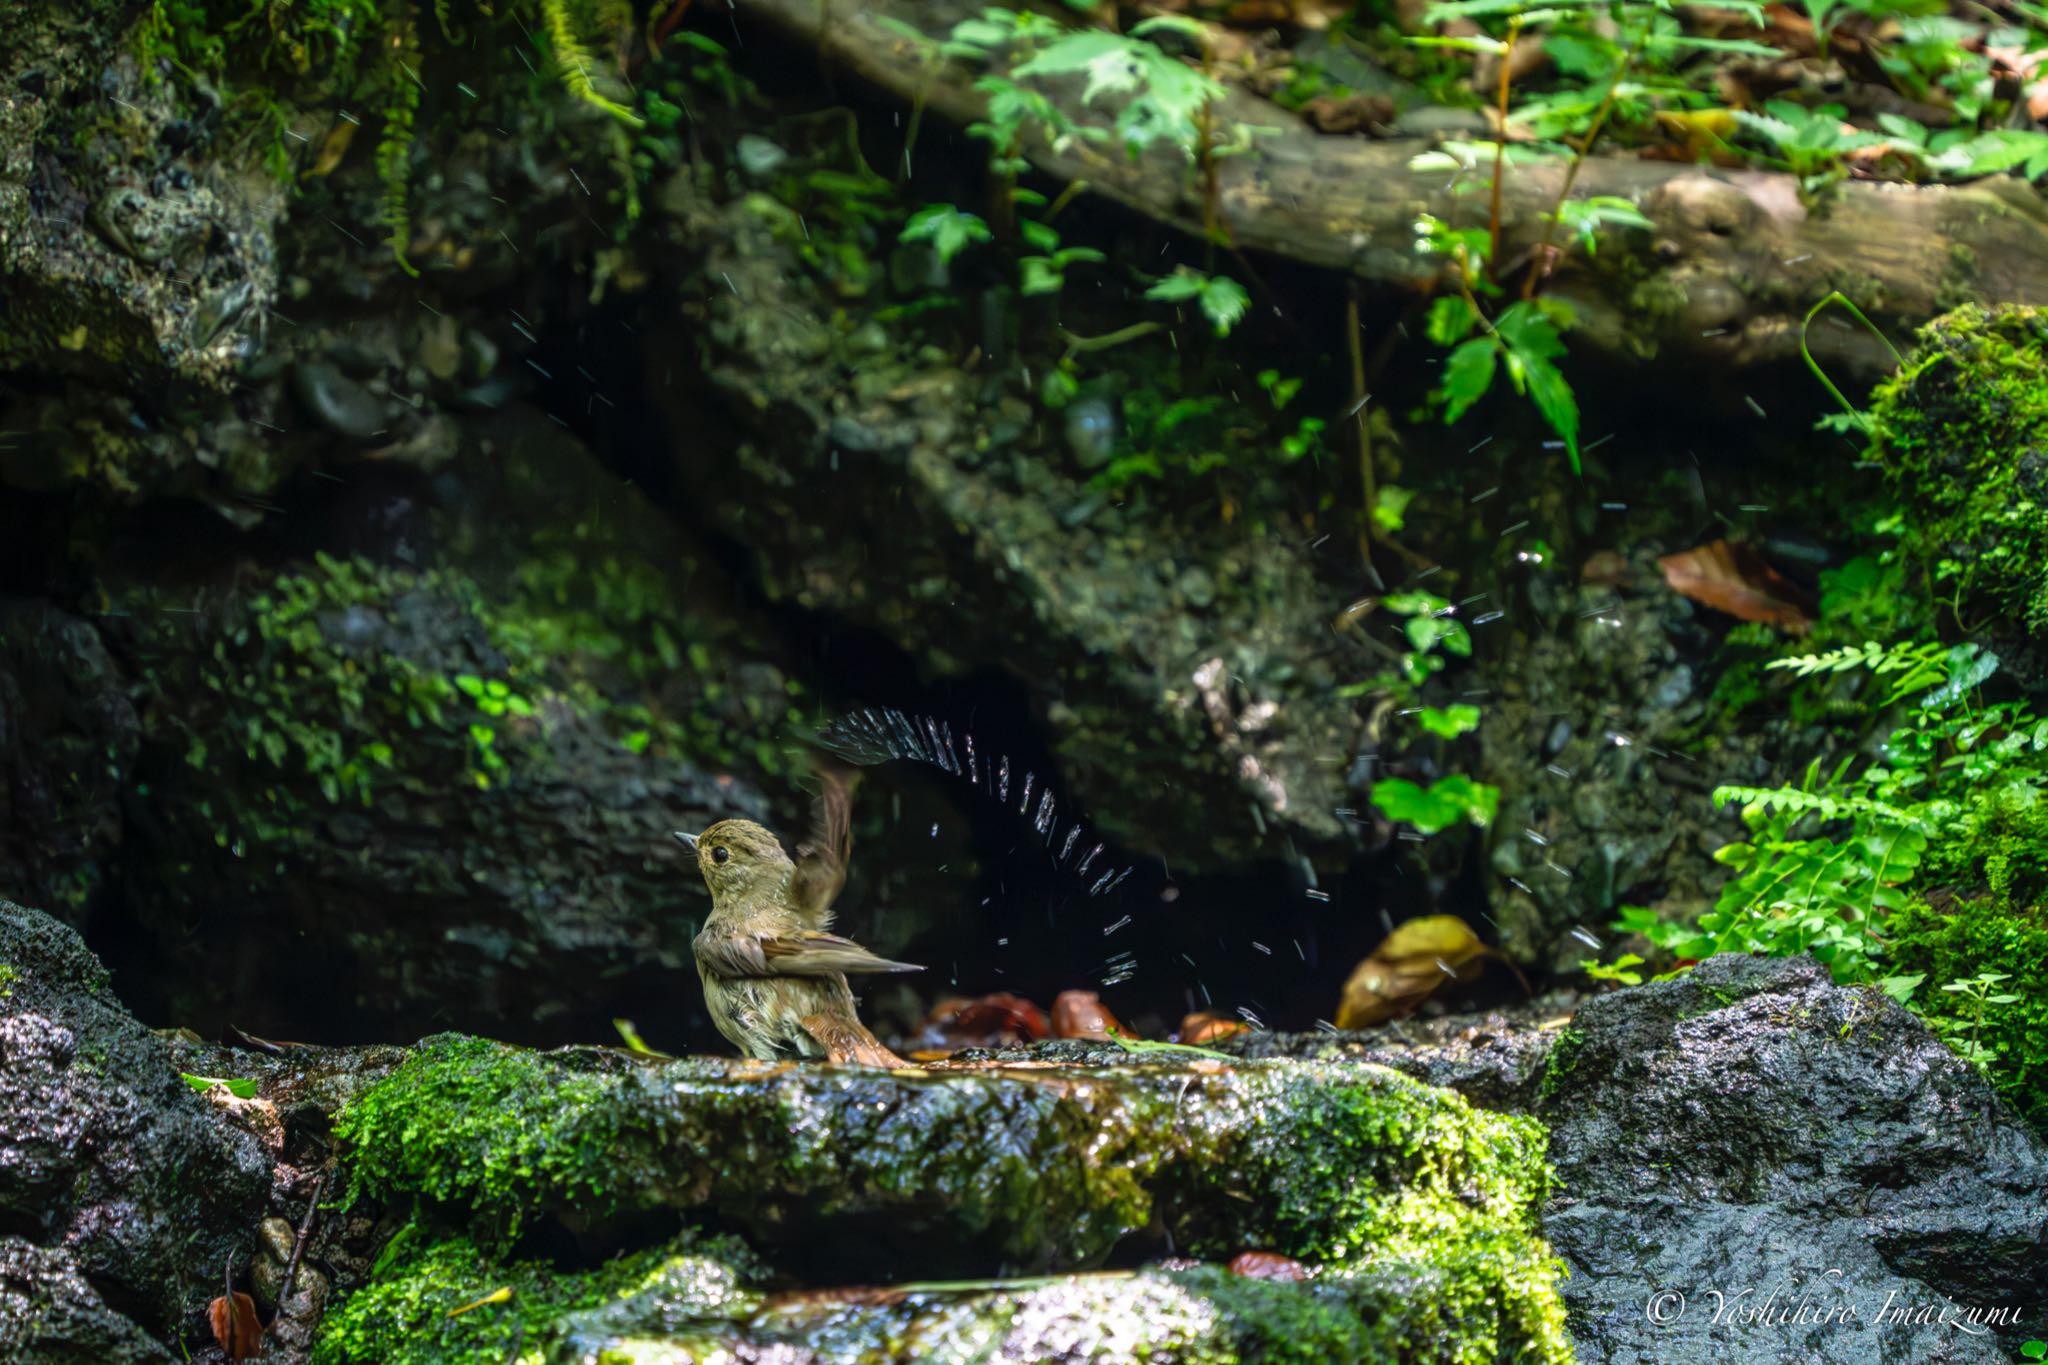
<point>1538,267</point>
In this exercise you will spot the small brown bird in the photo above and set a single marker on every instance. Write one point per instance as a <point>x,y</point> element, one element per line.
<point>774,979</point>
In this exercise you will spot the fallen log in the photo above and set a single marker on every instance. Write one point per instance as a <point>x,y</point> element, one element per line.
<point>1735,260</point>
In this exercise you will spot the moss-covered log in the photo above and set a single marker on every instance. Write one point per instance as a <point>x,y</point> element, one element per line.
<point>1735,260</point>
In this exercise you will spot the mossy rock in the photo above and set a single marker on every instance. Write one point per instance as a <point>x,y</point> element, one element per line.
<point>467,793</point>
<point>1964,441</point>
<point>853,1175</point>
<point>696,1300</point>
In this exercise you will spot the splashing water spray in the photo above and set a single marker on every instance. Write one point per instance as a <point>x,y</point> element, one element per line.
<point>882,735</point>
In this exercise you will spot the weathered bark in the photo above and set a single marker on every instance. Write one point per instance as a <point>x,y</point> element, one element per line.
<point>1727,276</point>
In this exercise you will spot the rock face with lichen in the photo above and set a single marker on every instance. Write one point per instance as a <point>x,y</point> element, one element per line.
<point>126,247</point>
<point>122,1197</point>
<point>1183,689</point>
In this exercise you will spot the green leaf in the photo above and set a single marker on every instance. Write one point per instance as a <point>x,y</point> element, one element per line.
<point>1038,236</point>
<point>1224,303</point>
<point>1445,802</point>
<point>1450,320</point>
<point>1390,507</point>
<point>1449,722</point>
<point>949,230</point>
<point>1468,374</point>
<point>242,1088</point>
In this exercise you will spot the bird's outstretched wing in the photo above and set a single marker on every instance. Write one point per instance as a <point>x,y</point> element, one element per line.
<point>821,858</point>
<point>798,954</point>
<point>848,1040</point>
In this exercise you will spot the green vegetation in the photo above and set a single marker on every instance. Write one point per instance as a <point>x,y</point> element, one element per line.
<point>1645,74</point>
<point>1848,864</point>
<point>1434,635</point>
<point>491,1128</point>
<point>369,55</point>
<point>1920,871</point>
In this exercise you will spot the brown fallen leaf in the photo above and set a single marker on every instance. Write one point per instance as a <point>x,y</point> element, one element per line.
<point>1081,1014</point>
<point>1267,1265</point>
<point>998,1020</point>
<point>235,1326</point>
<point>1737,580</point>
<point>1407,967</point>
<point>1206,1026</point>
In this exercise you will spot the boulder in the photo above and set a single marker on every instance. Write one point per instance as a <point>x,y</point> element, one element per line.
<point>1750,1138</point>
<point>123,1196</point>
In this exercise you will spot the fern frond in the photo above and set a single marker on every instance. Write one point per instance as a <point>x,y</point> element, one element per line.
<point>1869,655</point>
<point>394,150</point>
<point>1912,668</point>
<point>574,62</point>
<point>1825,805</point>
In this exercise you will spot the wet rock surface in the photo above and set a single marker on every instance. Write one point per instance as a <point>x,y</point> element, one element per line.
<point>1744,1130</point>
<point>1415,1208</point>
<point>122,1196</point>
<point>1751,1130</point>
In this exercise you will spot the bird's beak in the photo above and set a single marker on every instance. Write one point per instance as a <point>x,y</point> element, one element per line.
<point>688,841</point>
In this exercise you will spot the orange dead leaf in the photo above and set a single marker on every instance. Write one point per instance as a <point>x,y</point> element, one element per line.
<point>1737,580</point>
<point>235,1326</point>
<point>1206,1026</point>
<point>1081,1014</point>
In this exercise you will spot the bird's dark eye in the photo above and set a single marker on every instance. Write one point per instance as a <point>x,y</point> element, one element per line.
<point>720,853</point>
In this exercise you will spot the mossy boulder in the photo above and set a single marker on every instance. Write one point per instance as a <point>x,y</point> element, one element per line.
<point>122,1195</point>
<point>703,1299</point>
<point>448,786</point>
<point>1964,441</point>
<point>1401,1193</point>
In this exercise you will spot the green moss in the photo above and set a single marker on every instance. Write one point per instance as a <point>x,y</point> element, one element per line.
<point>1421,1207</point>
<point>352,681</point>
<point>492,1128</point>
<point>447,1302</point>
<point>370,54</point>
<point>1989,934</point>
<point>1563,1056</point>
<point>1965,444</point>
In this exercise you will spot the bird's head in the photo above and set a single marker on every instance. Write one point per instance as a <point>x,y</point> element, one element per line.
<point>739,859</point>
